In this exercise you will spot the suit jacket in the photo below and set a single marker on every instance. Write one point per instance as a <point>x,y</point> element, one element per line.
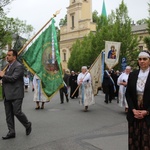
<point>107,83</point>
<point>12,81</point>
<point>131,96</point>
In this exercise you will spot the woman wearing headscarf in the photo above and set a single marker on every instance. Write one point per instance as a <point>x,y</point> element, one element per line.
<point>138,99</point>
<point>122,83</point>
<point>86,91</point>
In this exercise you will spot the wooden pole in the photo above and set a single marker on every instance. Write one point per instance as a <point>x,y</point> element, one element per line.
<point>23,48</point>
<point>86,74</point>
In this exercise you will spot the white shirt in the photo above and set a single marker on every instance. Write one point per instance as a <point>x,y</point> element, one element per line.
<point>142,77</point>
<point>26,80</point>
<point>85,77</point>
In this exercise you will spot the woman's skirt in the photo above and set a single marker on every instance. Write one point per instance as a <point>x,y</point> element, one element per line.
<point>86,94</point>
<point>38,94</point>
<point>139,135</point>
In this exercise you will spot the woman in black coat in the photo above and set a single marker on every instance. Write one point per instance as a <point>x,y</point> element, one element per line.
<point>138,99</point>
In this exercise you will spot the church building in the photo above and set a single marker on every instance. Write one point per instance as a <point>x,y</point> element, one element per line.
<point>79,24</point>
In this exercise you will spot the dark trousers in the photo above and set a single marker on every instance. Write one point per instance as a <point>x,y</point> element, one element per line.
<point>14,108</point>
<point>63,91</point>
<point>109,94</point>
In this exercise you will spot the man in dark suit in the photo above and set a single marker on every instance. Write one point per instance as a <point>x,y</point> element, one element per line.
<point>108,87</point>
<point>63,91</point>
<point>13,93</point>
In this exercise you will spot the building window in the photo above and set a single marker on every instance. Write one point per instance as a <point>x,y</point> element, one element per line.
<point>141,48</point>
<point>72,22</point>
<point>141,37</point>
<point>64,57</point>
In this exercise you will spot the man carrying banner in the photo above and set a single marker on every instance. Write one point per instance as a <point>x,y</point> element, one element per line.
<point>13,93</point>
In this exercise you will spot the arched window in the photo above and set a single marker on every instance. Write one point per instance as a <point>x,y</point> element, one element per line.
<point>64,57</point>
<point>72,21</point>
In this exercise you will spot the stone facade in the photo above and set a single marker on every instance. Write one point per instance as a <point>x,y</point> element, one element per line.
<point>141,32</point>
<point>79,24</point>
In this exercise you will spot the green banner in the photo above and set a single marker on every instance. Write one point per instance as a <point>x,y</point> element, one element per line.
<point>43,59</point>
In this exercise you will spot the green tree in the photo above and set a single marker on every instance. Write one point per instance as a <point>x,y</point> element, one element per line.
<point>117,27</point>
<point>10,26</point>
<point>3,3</point>
<point>63,21</point>
<point>147,39</point>
<point>121,32</point>
<point>142,21</point>
<point>95,16</point>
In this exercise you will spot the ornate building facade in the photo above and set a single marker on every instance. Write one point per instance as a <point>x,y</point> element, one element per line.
<point>141,32</point>
<point>79,24</point>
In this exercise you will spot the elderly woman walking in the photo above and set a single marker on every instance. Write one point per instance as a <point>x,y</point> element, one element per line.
<point>122,83</point>
<point>39,96</point>
<point>138,98</point>
<point>86,91</point>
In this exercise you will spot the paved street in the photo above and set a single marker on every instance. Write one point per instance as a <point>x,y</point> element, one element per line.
<point>67,127</point>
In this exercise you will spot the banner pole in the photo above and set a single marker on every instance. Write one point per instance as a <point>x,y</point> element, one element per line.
<point>86,74</point>
<point>23,48</point>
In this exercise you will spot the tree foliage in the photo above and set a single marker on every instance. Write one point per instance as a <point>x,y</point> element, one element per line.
<point>142,21</point>
<point>147,38</point>
<point>11,26</point>
<point>95,16</point>
<point>63,21</point>
<point>117,27</point>
<point>121,32</point>
<point>3,3</point>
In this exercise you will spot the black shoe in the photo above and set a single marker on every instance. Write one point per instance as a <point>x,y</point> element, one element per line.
<point>67,100</point>
<point>42,107</point>
<point>38,107</point>
<point>86,109</point>
<point>106,102</point>
<point>117,100</point>
<point>29,129</point>
<point>9,136</point>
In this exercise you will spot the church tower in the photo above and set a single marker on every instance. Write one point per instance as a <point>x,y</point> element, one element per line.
<point>79,24</point>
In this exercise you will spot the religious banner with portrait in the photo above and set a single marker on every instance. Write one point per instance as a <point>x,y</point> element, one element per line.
<point>112,51</point>
<point>43,59</point>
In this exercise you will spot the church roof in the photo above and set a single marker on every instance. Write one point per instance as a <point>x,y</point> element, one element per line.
<point>137,28</point>
<point>104,13</point>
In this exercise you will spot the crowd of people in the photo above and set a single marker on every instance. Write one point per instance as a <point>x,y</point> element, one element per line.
<point>129,88</point>
<point>114,86</point>
<point>75,86</point>
<point>80,87</point>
